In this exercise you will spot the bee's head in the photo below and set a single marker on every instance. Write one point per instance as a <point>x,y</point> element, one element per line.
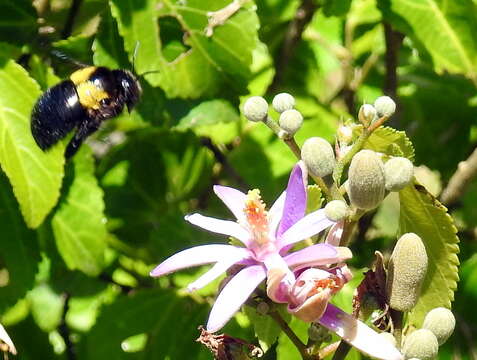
<point>129,87</point>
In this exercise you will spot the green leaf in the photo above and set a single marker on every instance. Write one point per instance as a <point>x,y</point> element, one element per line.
<point>314,199</point>
<point>108,47</point>
<point>217,119</point>
<point>79,223</point>
<point>150,312</point>
<point>266,329</point>
<point>18,21</point>
<point>46,307</point>
<point>202,65</point>
<point>391,142</point>
<point>445,28</point>
<point>422,214</point>
<point>20,253</point>
<point>286,349</point>
<point>336,8</point>
<point>35,175</point>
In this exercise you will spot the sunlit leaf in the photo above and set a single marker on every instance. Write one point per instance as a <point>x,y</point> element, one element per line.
<point>79,224</point>
<point>35,175</point>
<point>445,28</point>
<point>391,142</point>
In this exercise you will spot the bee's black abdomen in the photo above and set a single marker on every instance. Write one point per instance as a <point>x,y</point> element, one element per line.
<point>55,114</point>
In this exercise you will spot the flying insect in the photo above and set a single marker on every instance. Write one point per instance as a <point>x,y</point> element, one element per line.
<point>91,95</point>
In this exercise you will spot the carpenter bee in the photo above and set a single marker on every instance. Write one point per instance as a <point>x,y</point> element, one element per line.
<point>91,95</point>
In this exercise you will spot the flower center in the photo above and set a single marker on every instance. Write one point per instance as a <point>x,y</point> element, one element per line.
<point>257,217</point>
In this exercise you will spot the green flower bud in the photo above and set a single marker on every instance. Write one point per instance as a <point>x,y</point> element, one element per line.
<point>291,121</point>
<point>406,272</point>
<point>366,180</point>
<point>318,156</point>
<point>336,210</point>
<point>441,322</point>
<point>421,344</point>
<point>366,114</point>
<point>282,102</point>
<point>255,108</point>
<point>344,134</point>
<point>398,173</point>
<point>388,337</point>
<point>385,106</point>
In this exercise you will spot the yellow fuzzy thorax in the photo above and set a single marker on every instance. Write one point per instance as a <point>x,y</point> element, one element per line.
<point>82,75</point>
<point>90,95</point>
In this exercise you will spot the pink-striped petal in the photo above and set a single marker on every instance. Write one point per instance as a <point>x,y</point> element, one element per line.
<point>295,201</point>
<point>217,270</point>
<point>275,214</point>
<point>234,199</point>
<point>225,227</point>
<point>198,255</point>
<point>315,255</point>
<point>335,233</point>
<point>233,295</point>
<point>310,225</point>
<point>358,334</point>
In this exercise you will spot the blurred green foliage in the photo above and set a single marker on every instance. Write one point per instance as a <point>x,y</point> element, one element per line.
<point>78,238</point>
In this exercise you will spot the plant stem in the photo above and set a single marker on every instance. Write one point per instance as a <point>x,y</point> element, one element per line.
<point>341,351</point>
<point>397,324</point>
<point>339,168</point>
<point>290,141</point>
<point>291,335</point>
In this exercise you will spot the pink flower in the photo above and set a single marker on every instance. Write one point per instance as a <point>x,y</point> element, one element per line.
<point>267,237</point>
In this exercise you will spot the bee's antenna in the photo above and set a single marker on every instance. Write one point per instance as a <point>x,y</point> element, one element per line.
<point>136,49</point>
<point>149,72</point>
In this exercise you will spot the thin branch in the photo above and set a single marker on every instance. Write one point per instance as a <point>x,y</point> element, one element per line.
<point>70,20</point>
<point>341,351</point>
<point>291,335</point>
<point>458,183</point>
<point>302,18</point>
<point>64,330</point>
<point>222,159</point>
<point>393,43</point>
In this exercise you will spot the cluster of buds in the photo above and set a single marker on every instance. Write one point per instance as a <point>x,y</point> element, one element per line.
<point>290,120</point>
<point>369,178</point>
<point>424,343</point>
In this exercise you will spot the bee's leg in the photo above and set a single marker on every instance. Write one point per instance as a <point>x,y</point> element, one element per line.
<point>85,129</point>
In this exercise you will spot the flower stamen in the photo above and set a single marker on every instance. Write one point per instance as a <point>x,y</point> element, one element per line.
<point>257,217</point>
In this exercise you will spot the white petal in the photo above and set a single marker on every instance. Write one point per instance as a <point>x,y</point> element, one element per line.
<point>310,225</point>
<point>217,270</point>
<point>6,339</point>
<point>226,227</point>
<point>233,295</point>
<point>358,334</point>
<point>275,214</point>
<point>233,199</point>
<point>198,255</point>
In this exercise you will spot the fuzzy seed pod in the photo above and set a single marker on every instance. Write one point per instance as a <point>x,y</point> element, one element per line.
<point>291,121</point>
<point>421,344</point>
<point>406,272</point>
<point>282,102</point>
<point>255,108</point>
<point>398,173</point>
<point>441,322</point>
<point>336,210</point>
<point>366,114</point>
<point>366,180</point>
<point>318,156</point>
<point>385,106</point>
